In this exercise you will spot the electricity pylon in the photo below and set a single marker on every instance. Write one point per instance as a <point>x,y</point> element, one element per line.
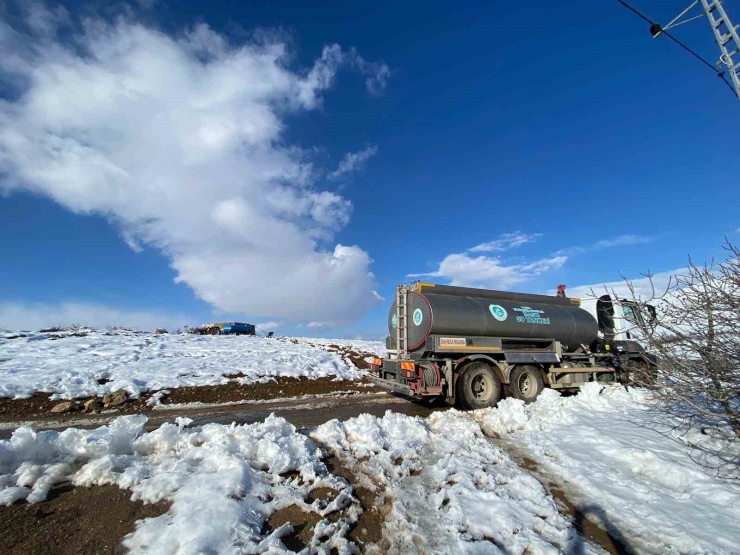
<point>724,31</point>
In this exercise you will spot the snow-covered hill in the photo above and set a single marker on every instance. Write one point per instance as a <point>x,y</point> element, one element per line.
<point>94,362</point>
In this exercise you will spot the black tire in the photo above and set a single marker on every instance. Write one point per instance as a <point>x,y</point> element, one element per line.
<point>526,383</point>
<point>478,387</point>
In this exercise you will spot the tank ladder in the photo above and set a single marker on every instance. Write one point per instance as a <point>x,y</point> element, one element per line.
<point>401,322</point>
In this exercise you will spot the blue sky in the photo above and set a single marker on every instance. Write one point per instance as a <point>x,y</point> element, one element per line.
<point>504,145</point>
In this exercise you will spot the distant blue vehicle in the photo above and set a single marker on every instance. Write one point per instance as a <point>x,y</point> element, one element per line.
<point>239,328</point>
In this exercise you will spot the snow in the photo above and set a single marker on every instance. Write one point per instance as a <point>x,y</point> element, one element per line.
<point>448,483</point>
<point>629,459</point>
<point>223,481</point>
<point>360,346</point>
<point>70,367</point>
<point>453,490</point>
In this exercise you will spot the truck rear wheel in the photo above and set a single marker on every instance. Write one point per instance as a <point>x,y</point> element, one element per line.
<point>478,386</point>
<point>526,383</point>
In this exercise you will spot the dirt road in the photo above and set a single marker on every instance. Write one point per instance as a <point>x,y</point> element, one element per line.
<point>302,412</point>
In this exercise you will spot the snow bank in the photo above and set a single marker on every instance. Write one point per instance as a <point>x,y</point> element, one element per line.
<point>223,481</point>
<point>453,491</point>
<point>629,460</point>
<point>70,367</point>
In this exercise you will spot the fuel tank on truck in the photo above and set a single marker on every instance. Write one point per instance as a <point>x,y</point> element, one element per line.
<point>465,311</point>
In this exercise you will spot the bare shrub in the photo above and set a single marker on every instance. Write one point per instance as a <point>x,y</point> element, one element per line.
<point>695,337</point>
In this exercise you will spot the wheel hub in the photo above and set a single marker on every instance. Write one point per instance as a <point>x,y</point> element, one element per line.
<point>525,385</point>
<point>482,390</point>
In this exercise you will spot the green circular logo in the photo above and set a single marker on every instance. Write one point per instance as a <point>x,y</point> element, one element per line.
<point>418,317</point>
<point>394,321</point>
<point>498,312</point>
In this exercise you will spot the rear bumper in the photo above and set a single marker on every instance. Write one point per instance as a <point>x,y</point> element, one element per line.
<point>391,385</point>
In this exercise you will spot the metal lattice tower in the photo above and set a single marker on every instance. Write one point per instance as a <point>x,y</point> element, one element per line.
<point>724,32</point>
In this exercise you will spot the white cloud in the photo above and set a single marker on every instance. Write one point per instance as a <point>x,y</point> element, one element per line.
<point>619,241</point>
<point>623,240</point>
<point>179,142</point>
<point>15,316</point>
<point>320,325</point>
<point>506,241</point>
<point>377,74</point>
<point>352,162</point>
<point>642,285</point>
<point>269,326</point>
<point>490,272</point>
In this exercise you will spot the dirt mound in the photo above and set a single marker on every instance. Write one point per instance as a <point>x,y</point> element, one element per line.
<point>282,387</point>
<point>73,521</point>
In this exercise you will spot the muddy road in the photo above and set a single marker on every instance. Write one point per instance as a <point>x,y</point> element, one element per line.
<point>302,412</point>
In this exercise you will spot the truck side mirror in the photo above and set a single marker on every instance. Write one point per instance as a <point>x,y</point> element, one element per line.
<point>652,312</point>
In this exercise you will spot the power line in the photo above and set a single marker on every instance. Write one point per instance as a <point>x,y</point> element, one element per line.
<point>655,28</point>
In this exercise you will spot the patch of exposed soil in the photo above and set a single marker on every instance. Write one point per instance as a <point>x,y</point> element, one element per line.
<point>369,526</point>
<point>303,523</point>
<point>40,405</point>
<point>367,529</point>
<point>283,387</point>
<point>15,408</point>
<point>73,521</point>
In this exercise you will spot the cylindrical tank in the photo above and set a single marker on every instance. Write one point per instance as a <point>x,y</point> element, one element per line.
<point>463,311</point>
<point>238,328</point>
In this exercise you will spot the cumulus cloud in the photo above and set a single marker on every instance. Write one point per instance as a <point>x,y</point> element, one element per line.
<point>490,272</point>
<point>178,141</point>
<point>643,288</point>
<point>320,325</point>
<point>269,326</point>
<point>22,316</point>
<point>352,162</point>
<point>506,241</point>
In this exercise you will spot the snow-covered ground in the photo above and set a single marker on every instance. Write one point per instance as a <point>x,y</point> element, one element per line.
<point>70,367</point>
<point>453,491</point>
<point>223,481</point>
<point>624,461</point>
<point>627,462</point>
<point>376,348</point>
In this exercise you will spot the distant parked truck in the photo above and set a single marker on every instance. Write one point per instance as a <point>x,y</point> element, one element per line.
<point>464,344</point>
<point>226,328</point>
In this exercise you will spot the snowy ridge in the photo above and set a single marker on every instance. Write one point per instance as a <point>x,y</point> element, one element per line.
<point>618,452</point>
<point>70,367</point>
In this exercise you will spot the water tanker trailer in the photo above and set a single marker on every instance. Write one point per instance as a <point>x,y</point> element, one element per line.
<point>465,344</point>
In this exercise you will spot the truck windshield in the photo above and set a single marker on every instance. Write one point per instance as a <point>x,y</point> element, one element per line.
<point>632,314</point>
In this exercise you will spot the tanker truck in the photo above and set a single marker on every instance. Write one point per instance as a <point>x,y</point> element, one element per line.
<point>468,346</point>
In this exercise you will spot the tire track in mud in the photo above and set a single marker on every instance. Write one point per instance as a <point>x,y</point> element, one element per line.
<point>590,522</point>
